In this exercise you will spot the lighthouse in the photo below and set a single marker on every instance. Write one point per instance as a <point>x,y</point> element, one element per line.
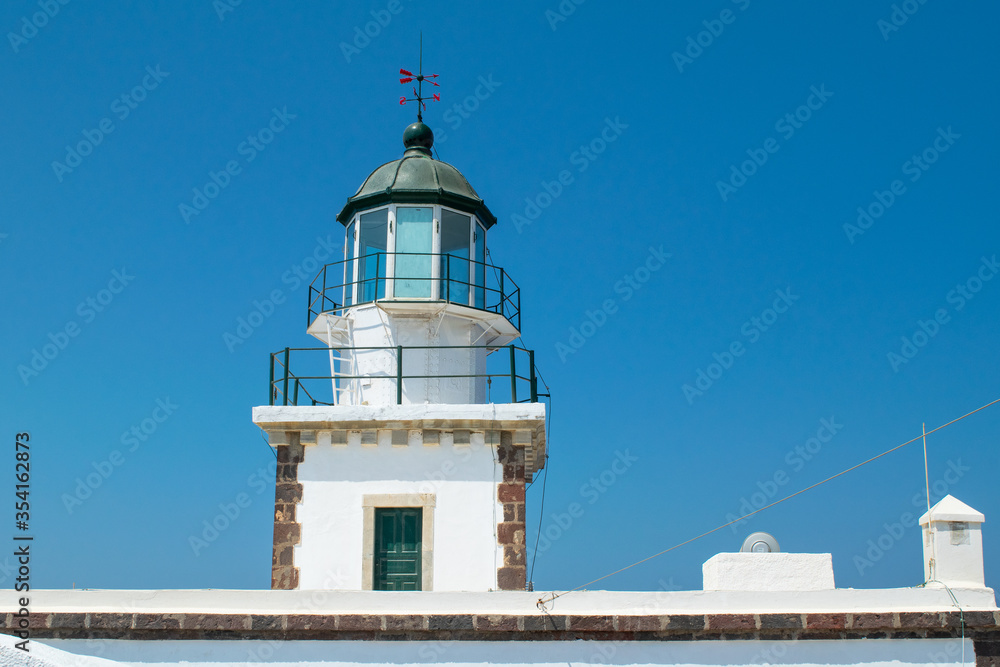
<point>406,438</point>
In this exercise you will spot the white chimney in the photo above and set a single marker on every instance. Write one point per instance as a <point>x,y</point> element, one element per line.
<point>953,545</point>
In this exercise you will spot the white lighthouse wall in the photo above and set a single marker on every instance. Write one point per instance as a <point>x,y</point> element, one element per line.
<point>374,327</point>
<point>463,480</point>
<point>348,653</point>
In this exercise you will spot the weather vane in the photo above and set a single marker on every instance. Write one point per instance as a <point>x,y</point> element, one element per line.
<point>419,77</point>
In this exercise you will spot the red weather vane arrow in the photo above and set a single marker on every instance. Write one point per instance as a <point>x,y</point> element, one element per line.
<point>420,78</point>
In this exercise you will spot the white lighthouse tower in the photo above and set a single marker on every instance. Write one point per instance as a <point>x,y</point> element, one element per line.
<point>405,441</point>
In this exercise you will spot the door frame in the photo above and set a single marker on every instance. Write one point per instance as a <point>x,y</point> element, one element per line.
<point>369,502</point>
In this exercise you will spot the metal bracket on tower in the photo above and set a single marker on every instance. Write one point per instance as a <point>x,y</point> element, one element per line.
<point>440,315</point>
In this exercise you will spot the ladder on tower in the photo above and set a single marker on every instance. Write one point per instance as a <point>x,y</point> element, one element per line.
<point>345,385</point>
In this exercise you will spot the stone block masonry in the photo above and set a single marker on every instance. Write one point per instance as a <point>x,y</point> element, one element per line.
<point>983,627</point>
<point>512,574</point>
<point>287,531</point>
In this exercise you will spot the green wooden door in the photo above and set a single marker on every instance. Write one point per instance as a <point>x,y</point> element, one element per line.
<point>397,548</point>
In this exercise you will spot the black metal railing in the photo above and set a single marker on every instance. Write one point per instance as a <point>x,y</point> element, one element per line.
<point>513,368</point>
<point>461,281</point>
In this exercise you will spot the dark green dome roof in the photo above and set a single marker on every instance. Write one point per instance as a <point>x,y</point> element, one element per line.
<point>417,178</point>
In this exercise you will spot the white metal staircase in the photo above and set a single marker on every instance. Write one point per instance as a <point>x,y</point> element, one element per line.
<point>340,334</point>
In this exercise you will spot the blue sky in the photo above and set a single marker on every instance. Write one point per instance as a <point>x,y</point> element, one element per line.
<point>739,138</point>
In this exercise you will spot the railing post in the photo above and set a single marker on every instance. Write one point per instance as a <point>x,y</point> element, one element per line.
<point>447,279</point>
<point>270,383</point>
<point>518,308</point>
<point>284,387</point>
<point>513,376</point>
<point>534,379</point>
<point>399,375</point>
<point>322,300</point>
<point>295,397</point>
<point>347,282</point>
<point>502,296</point>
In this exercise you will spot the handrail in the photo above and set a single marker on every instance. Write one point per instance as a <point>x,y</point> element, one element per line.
<point>281,377</point>
<point>498,293</point>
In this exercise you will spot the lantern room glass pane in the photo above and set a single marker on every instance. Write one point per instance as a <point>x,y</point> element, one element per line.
<point>455,265</point>
<point>349,267</point>
<point>374,233</point>
<point>479,268</point>
<point>414,231</point>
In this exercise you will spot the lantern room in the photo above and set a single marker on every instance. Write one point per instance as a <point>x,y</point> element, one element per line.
<point>416,230</point>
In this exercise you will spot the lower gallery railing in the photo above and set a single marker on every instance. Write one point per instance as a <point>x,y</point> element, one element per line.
<point>344,375</point>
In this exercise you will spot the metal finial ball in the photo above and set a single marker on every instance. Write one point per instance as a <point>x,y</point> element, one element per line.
<point>418,135</point>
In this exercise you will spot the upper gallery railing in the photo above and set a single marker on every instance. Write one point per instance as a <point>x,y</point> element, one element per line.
<point>415,277</point>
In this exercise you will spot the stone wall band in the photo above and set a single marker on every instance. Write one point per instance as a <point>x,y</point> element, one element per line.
<point>983,628</point>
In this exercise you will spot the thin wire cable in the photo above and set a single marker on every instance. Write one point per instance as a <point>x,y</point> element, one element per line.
<point>545,479</point>
<point>494,452</point>
<point>927,476</point>
<point>271,449</point>
<point>961,612</point>
<point>541,602</point>
<point>548,427</point>
<point>541,516</point>
<point>932,565</point>
<point>519,335</point>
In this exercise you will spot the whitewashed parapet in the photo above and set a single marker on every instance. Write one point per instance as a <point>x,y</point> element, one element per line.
<point>410,425</point>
